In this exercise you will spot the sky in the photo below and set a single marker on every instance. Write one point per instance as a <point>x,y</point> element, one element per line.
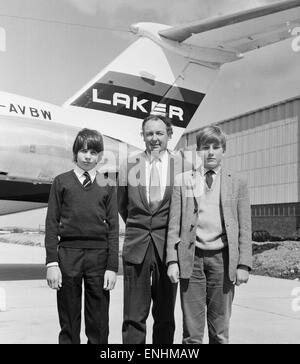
<point>54,47</point>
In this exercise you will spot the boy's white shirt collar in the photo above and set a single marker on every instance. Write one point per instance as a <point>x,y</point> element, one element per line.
<point>79,172</point>
<point>216,170</point>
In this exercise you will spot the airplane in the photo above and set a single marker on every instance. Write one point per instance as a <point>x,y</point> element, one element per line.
<point>168,70</point>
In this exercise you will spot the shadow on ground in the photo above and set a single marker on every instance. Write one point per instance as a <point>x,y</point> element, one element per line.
<point>19,272</point>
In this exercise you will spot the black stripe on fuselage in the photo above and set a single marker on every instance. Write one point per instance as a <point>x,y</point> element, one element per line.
<point>134,96</point>
<point>24,191</point>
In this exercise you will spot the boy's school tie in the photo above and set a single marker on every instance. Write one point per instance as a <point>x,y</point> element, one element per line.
<point>87,180</point>
<point>209,178</point>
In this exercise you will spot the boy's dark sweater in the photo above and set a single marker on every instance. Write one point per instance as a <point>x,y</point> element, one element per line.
<point>82,218</point>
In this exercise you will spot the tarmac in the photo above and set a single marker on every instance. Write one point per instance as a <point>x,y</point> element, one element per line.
<point>265,311</point>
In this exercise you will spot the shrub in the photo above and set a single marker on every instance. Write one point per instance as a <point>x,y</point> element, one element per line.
<point>17,230</point>
<point>261,236</point>
<point>276,238</point>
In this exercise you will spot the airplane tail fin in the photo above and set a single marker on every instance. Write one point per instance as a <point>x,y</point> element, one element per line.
<point>162,73</point>
<point>152,75</point>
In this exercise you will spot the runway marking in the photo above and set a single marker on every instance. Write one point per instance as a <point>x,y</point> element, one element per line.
<point>270,312</point>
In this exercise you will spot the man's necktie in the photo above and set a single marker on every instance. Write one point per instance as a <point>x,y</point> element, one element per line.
<point>87,180</point>
<point>209,178</point>
<point>154,187</point>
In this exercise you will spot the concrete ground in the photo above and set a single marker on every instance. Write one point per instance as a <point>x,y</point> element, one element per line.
<point>265,311</point>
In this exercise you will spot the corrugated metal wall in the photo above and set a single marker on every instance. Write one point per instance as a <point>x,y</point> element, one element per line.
<point>264,146</point>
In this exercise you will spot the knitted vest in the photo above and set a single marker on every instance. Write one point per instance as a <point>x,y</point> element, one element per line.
<point>210,233</point>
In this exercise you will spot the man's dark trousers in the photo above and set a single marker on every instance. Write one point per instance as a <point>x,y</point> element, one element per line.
<point>143,282</point>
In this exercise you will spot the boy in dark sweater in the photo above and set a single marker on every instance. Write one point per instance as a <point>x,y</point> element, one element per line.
<point>82,243</point>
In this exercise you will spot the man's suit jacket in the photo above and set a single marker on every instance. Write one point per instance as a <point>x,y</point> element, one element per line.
<point>183,218</point>
<point>142,224</point>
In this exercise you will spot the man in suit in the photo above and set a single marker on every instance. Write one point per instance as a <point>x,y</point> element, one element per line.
<point>209,240</point>
<point>145,186</point>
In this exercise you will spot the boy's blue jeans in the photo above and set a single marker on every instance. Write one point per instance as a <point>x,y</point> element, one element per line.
<point>207,294</point>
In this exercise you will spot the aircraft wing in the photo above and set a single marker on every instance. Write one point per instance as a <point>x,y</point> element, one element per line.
<point>243,31</point>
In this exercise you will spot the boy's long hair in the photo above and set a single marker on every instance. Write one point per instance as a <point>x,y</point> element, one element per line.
<point>88,139</point>
<point>210,135</point>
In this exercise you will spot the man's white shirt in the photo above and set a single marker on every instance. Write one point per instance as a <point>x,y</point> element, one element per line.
<point>162,165</point>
